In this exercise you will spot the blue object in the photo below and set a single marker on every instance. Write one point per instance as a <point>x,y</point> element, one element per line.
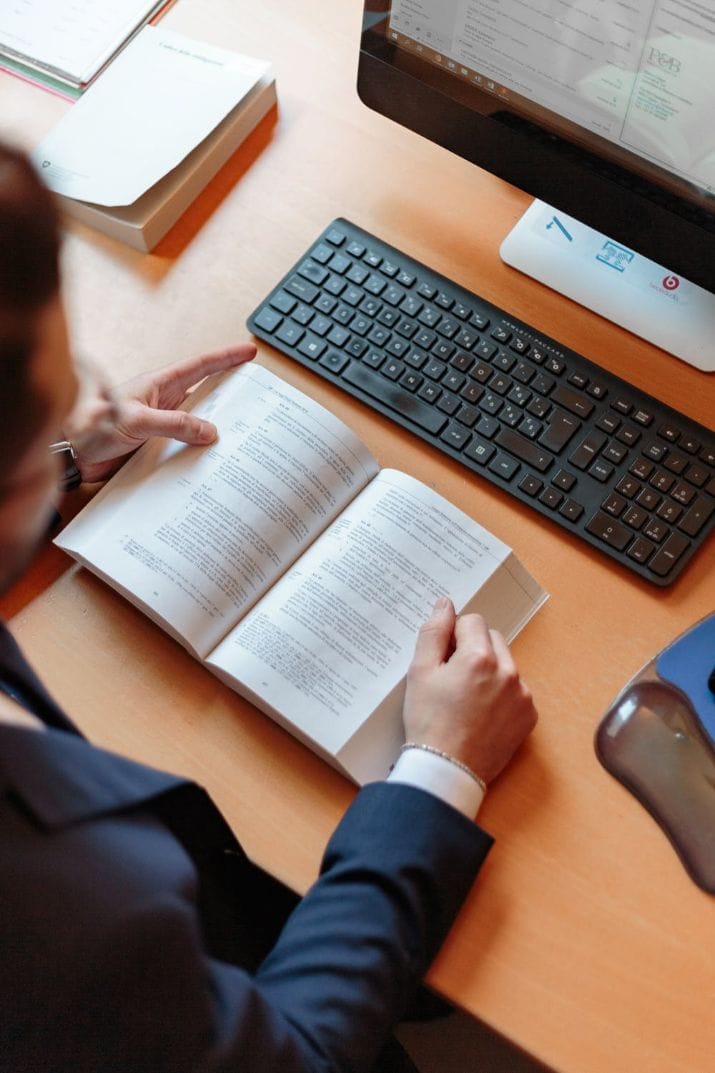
<point>689,664</point>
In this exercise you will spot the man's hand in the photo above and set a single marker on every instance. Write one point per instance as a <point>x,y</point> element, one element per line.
<point>103,430</point>
<point>464,695</point>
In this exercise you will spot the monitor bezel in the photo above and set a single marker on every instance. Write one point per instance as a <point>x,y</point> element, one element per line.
<point>414,99</point>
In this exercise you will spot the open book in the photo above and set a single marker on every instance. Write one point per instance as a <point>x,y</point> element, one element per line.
<point>295,569</point>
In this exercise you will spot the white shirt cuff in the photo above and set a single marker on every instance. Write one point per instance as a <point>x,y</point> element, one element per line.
<point>439,776</point>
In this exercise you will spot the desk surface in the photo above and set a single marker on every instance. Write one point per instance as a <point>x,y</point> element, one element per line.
<point>584,941</point>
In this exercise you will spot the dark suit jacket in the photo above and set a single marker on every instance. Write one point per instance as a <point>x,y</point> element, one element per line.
<point>134,931</point>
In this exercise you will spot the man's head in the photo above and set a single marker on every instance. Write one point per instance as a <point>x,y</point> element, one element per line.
<point>37,384</point>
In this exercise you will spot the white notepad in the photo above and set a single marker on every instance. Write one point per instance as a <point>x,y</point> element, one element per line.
<point>158,100</point>
<point>71,40</point>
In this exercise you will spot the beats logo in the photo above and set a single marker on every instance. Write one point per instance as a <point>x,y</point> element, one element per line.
<point>671,283</point>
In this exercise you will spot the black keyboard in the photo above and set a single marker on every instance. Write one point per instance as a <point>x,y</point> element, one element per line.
<point>587,450</point>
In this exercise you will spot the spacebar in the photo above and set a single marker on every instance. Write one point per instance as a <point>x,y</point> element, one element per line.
<point>395,397</point>
<point>524,449</point>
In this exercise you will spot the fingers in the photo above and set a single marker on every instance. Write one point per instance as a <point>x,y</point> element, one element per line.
<point>142,422</point>
<point>183,374</point>
<point>473,635</point>
<point>435,637</point>
<point>502,652</point>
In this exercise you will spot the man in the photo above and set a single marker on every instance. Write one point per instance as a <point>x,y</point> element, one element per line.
<point>135,935</point>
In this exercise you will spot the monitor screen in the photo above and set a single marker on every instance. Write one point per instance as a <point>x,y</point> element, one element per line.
<point>603,109</point>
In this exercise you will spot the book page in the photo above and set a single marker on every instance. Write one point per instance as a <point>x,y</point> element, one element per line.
<point>325,646</point>
<point>196,535</point>
<point>73,38</point>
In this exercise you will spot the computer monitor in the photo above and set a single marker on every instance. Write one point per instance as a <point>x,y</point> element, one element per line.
<point>603,111</point>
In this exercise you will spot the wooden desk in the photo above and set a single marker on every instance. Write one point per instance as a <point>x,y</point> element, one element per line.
<point>584,941</point>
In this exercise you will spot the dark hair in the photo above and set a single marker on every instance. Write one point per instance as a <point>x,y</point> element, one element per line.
<point>29,278</point>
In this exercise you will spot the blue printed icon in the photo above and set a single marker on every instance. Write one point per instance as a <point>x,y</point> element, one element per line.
<point>555,222</point>
<point>615,256</point>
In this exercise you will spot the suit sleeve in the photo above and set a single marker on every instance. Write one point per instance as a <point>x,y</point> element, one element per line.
<point>393,878</point>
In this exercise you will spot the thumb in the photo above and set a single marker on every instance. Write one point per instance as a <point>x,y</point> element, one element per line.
<point>434,641</point>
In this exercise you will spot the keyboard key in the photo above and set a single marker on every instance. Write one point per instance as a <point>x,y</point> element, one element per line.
<point>339,263</point>
<point>504,466</point>
<point>448,403</point>
<point>504,361</point>
<point>335,236</point>
<point>641,550</point>
<point>662,481</point>
<point>676,463</point>
<point>648,499</point>
<point>456,435</point>
<point>587,450</point>
<point>302,288</point>
<point>430,392</point>
<point>572,401</point>
<point>656,452</point>
<point>334,361</point>
<point>614,505</point>
<point>683,493</point>
<point>488,426</point>
<point>669,512</point>
<point>609,531</point>
<point>669,432</point>
<point>698,514</point>
<point>608,422</point>
<point>375,285</point>
<point>555,365</point>
<point>392,369</point>
<point>480,451</point>
<point>697,475</point>
<point>357,346</point>
<point>601,470</point>
<point>338,336</point>
<point>690,444</point>
<point>303,314</point>
<point>656,531</point>
<point>283,302</point>
<point>427,290</point>
<point>531,484</point>
<point>525,449</point>
<point>627,486</point>
<point>468,415</point>
<point>622,406</point>
<point>564,480</point>
<point>615,452</point>
<point>321,253</point>
<point>313,347</point>
<point>662,563</point>
<point>571,510</point>
<point>268,319</point>
<point>641,468</point>
<point>290,333</point>
<point>551,497</point>
<point>636,517</point>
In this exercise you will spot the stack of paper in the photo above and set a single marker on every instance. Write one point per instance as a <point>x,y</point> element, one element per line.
<point>147,136</point>
<point>64,44</point>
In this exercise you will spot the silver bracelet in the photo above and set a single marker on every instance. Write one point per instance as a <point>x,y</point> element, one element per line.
<point>445,756</point>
